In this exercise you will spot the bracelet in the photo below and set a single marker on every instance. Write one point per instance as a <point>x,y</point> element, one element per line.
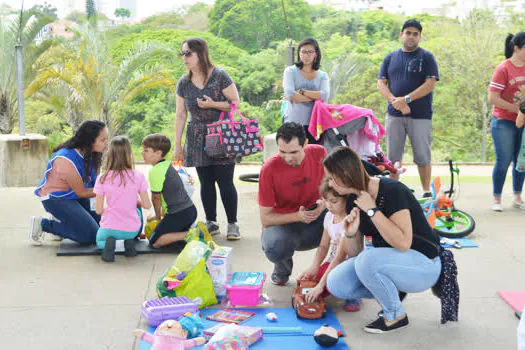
<point>351,236</point>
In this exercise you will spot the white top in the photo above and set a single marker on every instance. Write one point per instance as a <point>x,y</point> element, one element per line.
<point>335,231</point>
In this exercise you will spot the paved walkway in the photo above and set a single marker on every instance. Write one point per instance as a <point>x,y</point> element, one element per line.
<point>50,302</point>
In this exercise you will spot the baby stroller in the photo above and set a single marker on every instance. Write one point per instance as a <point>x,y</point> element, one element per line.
<point>354,127</point>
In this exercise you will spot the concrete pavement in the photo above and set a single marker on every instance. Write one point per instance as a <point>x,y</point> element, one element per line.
<point>51,302</point>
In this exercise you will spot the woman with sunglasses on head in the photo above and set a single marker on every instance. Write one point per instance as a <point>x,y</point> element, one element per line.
<point>303,84</point>
<point>206,91</point>
<point>406,257</point>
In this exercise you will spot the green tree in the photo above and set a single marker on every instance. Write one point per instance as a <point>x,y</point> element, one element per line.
<point>98,86</point>
<point>45,10</point>
<point>467,57</point>
<point>122,13</point>
<point>9,34</point>
<point>91,10</point>
<point>222,52</point>
<point>255,24</point>
<point>217,12</point>
<point>196,17</point>
<point>77,17</point>
<point>164,20</point>
<point>260,76</point>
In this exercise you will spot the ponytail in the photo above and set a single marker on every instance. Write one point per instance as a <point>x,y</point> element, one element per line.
<point>514,40</point>
<point>509,46</point>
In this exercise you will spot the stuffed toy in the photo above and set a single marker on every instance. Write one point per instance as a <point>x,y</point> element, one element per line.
<point>169,335</point>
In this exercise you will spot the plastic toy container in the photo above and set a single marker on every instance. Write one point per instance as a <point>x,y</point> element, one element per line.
<point>159,310</point>
<point>244,288</point>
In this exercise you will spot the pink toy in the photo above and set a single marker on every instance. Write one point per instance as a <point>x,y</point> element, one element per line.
<point>244,288</point>
<point>169,336</point>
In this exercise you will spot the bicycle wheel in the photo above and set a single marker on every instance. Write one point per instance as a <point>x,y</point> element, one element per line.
<point>249,177</point>
<point>458,224</point>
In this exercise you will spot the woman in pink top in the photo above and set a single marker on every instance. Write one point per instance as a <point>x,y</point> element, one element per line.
<point>120,187</point>
<point>506,92</point>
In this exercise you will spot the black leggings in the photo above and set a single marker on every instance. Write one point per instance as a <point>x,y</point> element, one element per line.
<point>223,175</point>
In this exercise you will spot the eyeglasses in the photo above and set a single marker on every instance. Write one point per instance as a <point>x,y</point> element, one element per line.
<point>307,52</point>
<point>186,53</point>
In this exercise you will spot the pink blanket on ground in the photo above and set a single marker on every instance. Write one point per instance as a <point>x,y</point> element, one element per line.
<point>326,116</point>
<point>515,298</point>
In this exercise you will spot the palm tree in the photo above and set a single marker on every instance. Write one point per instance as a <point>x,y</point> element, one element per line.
<point>92,84</point>
<point>26,30</point>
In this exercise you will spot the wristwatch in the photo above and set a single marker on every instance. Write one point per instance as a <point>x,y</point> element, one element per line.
<point>408,99</point>
<point>372,212</point>
<point>301,91</point>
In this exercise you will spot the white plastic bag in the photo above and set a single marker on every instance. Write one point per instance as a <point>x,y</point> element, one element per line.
<point>186,178</point>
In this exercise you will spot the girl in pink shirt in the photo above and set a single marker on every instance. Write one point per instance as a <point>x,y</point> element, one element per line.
<point>120,187</point>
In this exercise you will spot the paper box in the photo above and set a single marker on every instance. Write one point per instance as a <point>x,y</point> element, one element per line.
<point>253,334</point>
<point>219,266</point>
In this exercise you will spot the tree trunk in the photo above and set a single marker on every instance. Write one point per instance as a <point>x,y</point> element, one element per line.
<point>6,123</point>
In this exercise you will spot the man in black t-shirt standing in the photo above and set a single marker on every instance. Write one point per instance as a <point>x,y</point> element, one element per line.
<point>406,80</point>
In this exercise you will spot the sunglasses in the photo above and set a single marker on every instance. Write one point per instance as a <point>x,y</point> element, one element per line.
<point>186,53</point>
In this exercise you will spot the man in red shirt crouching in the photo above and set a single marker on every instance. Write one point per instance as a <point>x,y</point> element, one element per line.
<point>291,208</point>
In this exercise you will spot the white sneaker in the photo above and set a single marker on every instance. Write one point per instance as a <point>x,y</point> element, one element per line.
<point>518,205</point>
<point>36,235</point>
<point>497,206</point>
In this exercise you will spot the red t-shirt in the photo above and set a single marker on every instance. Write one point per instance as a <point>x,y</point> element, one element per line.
<point>286,188</point>
<point>509,81</point>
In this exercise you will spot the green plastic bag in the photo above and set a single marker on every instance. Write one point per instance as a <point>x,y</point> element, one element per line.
<point>198,286</point>
<point>520,163</point>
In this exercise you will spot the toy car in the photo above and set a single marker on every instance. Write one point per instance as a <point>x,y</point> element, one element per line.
<point>311,311</point>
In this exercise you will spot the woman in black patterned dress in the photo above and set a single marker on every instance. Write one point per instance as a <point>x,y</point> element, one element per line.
<point>205,91</point>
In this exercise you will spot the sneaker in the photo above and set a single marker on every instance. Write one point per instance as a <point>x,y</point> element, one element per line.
<point>352,305</point>
<point>108,253</point>
<point>233,233</point>
<point>36,235</point>
<point>379,326</point>
<point>278,282</point>
<point>427,194</point>
<point>518,205</point>
<point>129,248</point>
<point>213,228</point>
<point>496,206</point>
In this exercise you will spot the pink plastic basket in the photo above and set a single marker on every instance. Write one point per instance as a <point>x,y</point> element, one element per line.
<point>244,288</point>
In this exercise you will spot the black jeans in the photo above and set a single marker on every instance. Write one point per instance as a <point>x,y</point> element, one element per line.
<point>222,175</point>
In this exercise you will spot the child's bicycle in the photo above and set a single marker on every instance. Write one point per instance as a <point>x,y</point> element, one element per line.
<point>441,213</point>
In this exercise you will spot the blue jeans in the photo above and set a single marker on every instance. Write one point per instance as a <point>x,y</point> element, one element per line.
<point>77,221</point>
<point>507,143</point>
<point>380,273</point>
<point>280,242</point>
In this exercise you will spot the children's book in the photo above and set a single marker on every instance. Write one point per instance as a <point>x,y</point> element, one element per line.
<point>230,316</point>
